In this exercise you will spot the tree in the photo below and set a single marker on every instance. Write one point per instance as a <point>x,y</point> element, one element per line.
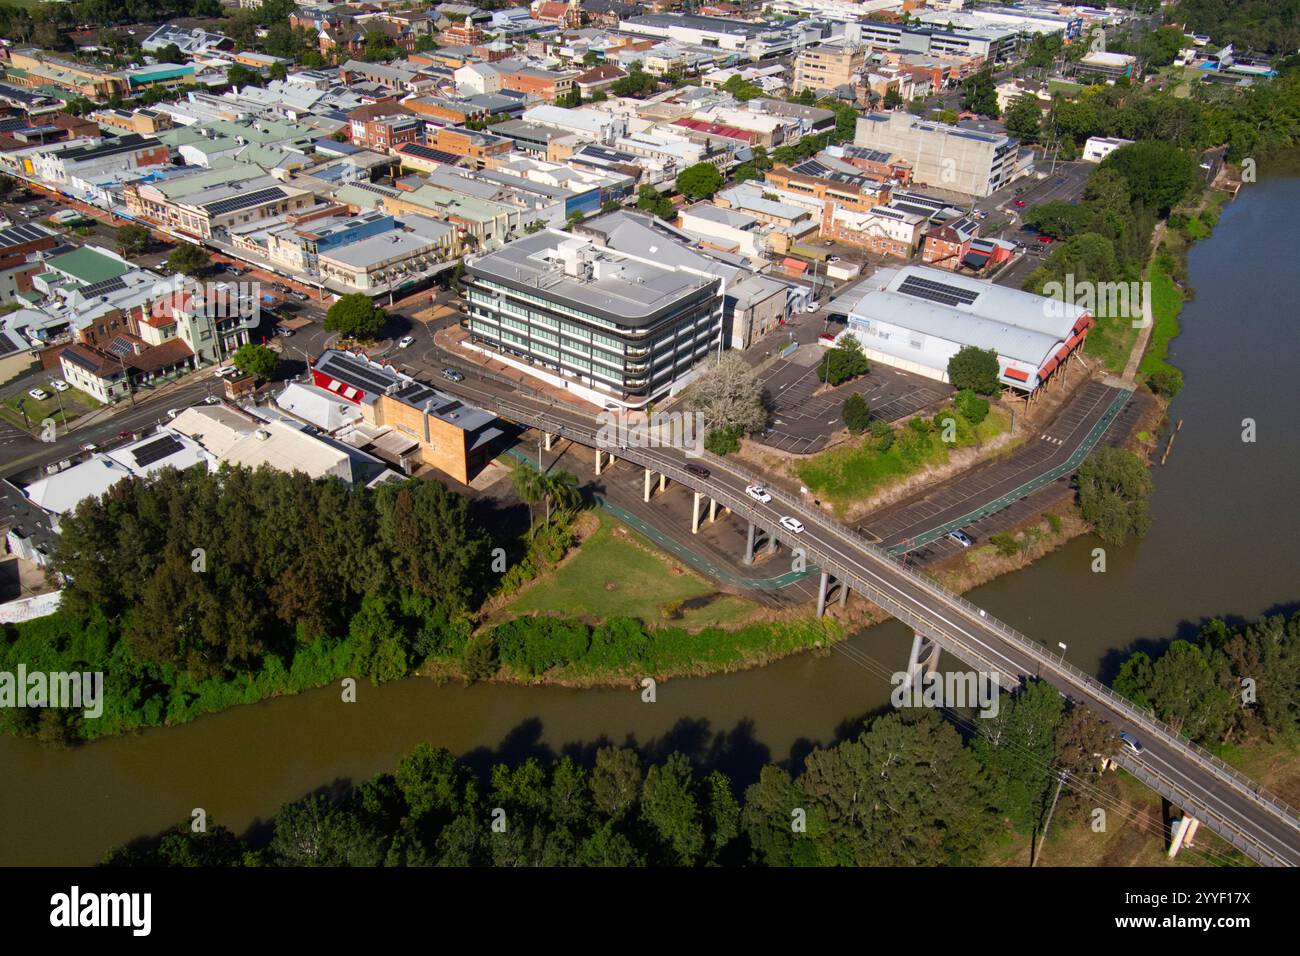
<point>258,360</point>
<point>238,75</point>
<point>171,53</point>
<point>1058,219</point>
<point>528,483</point>
<point>649,199</point>
<point>133,240</point>
<point>535,226</point>
<point>975,369</point>
<point>188,259</point>
<point>971,407</point>
<point>699,181</point>
<point>979,94</point>
<point>893,98</point>
<point>843,362</point>
<point>616,781</point>
<point>1159,174</point>
<point>670,808</point>
<point>1114,485</point>
<point>1024,118</point>
<point>1016,748</point>
<point>856,413</point>
<point>355,316</point>
<point>728,394</point>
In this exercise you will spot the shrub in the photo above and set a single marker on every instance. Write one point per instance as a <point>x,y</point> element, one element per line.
<point>1166,381</point>
<point>1005,544</point>
<point>856,413</point>
<point>1053,522</point>
<point>972,408</point>
<point>723,441</point>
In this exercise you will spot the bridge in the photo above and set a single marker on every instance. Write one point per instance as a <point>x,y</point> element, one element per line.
<point>1206,789</point>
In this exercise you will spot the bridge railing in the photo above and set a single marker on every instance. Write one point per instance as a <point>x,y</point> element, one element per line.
<point>1036,649</point>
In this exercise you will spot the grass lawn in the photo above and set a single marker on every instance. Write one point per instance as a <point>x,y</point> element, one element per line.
<point>75,403</point>
<point>1166,304</point>
<point>1111,340</point>
<point>847,475</point>
<point>616,574</point>
<point>1063,86</point>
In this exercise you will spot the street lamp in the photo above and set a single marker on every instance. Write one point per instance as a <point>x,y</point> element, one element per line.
<point>1061,645</point>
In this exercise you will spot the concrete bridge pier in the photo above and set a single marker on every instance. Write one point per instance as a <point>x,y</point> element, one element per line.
<point>547,438</point>
<point>821,594</point>
<point>749,544</point>
<point>648,475</point>
<point>695,514</point>
<point>1181,832</point>
<point>924,658</point>
<point>599,455</point>
<point>771,543</point>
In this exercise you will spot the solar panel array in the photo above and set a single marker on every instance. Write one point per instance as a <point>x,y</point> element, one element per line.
<point>7,344</point>
<point>355,373</point>
<point>157,450</point>
<point>20,233</point>
<point>234,203</point>
<point>429,153</point>
<point>940,292</point>
<point>103,287</point>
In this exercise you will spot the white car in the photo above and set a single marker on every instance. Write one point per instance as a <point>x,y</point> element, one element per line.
<point>406,341</point>
<point>38,393</point>
<point>59,385</point>
<point>792,524</point>
<point>758,493</point>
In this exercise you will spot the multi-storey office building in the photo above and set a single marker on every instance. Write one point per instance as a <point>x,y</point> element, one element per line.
<point>968,161</point>
<point>610,326</point>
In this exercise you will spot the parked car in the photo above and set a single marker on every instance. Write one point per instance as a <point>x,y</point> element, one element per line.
<point>300,296</point>
<point>59,385</point>
<point>827,339</point>
<point>283,331</point>
<point>38,393</point>
<point>173,412</point>
<point>1046,240</point>
<point>1131,743</point>
<point>961,537</point>
<point>125,434</point>
<point>812,307</point>
<point>758,493</point>
<point>1020,203</point>
<point>792,524</point>
<point>699,471</point>
<point>451,375</point>
<point>406,341</point>
<point>90,446</point>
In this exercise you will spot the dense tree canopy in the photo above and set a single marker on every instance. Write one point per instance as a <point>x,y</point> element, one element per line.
<point>1114,485</point>
<point>975,369</point>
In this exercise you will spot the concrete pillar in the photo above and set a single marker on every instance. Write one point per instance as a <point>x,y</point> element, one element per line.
<point>598,455</point>
<point>749,545</point>
<point>695,514</point>
<point>1177,833</point>
<point>663,481</point>
<point>924,657</point>
<point>1192,827</point>
<point>821,594</point>
<point>546,440</point>
<point>771,543</point>
<point>647,484</point>
<point>844,593</point>
<point>713,510</point>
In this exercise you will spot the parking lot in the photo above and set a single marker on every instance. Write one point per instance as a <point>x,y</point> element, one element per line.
<point>802,423</point>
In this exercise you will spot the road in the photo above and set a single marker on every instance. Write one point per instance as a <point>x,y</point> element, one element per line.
<point>1255,822</point>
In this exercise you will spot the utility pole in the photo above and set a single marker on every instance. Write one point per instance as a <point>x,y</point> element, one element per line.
<point>1034,851</point>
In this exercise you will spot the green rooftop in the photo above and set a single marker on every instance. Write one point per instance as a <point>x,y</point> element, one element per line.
<point>88,266</point>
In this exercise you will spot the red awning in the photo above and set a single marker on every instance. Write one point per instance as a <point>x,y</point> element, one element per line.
<point>1017,374</point>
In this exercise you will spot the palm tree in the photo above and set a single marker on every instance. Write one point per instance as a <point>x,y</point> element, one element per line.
<point>529,486</point>
<point>562,488</point>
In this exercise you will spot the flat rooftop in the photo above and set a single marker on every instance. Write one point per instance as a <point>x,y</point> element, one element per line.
<point>629,290</point>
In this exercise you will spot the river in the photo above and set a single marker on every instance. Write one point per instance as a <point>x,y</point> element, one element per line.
<point>1223,543</point>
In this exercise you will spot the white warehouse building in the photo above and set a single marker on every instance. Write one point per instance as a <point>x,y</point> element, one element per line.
<point>916,318</point>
